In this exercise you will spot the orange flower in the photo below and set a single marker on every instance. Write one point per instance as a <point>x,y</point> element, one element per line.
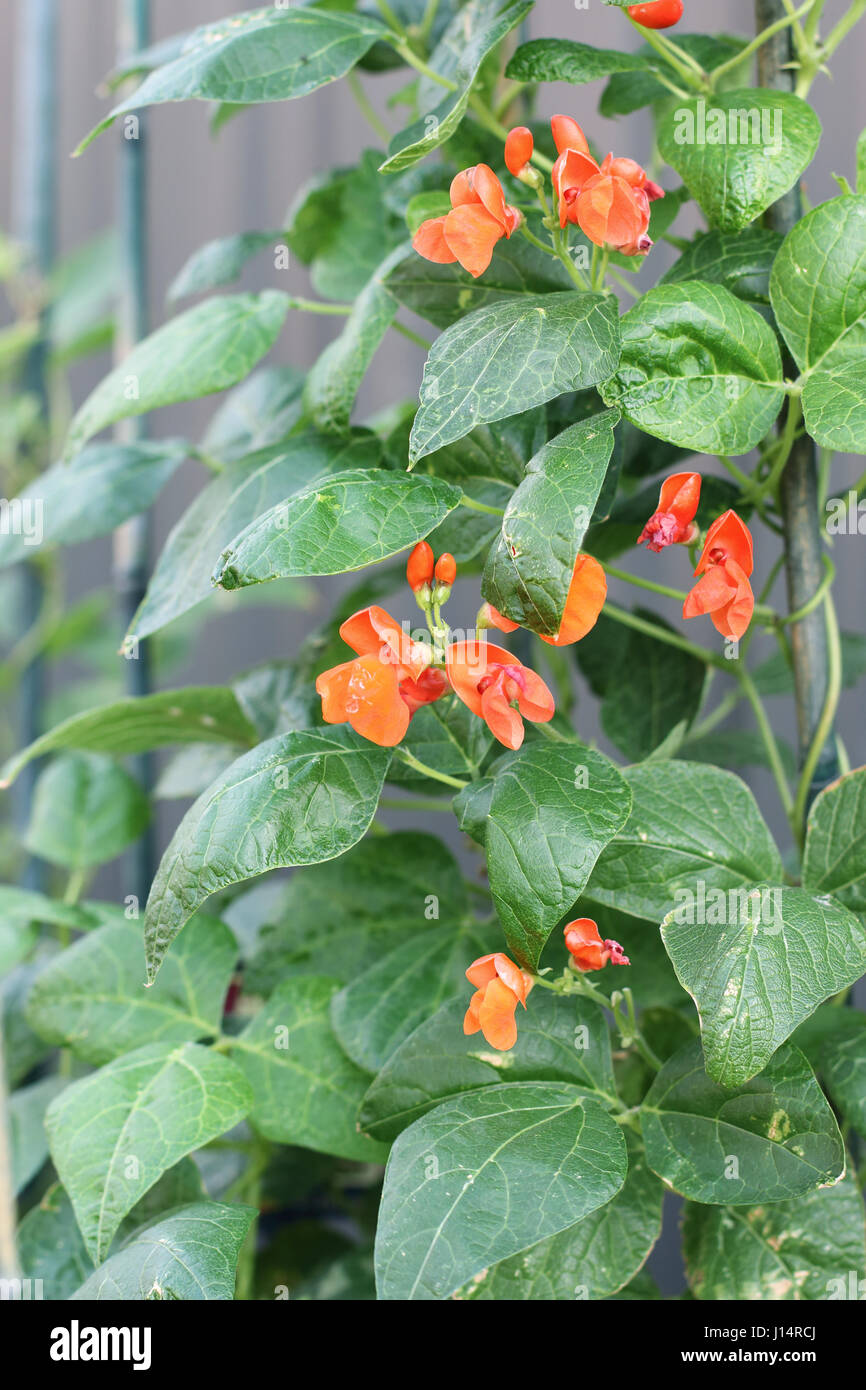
<point>610,203</point>
<point>723,589</point>
<point>499,985</point>
<point>387,682</point>
<point>491,681</point>
<point>586,595</point>
<point>588,951</point>
<point>479,217</point>
<point>672,523</point>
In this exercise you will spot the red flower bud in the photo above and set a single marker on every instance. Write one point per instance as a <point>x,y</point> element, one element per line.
<point>419,567</point>
<point>658,14</point>
<point>518,149</point>
<point>446,569</point>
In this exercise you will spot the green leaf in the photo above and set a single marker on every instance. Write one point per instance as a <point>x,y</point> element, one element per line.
<point>861,163</point>
<point>341,225</point>
<point>757,961</point>
<point>742,152</point>
<point>473,33</point>
<point>194,714</point>
<point>557,1040</point>
<point>26,1118</point>
<point>263,55</point>
<point>784,1251</point>
<point>592,1259</point>
<point>484,1176</point>
<point>508,357</point>
<point>818,290</point>
<point>206,349</point>
<point>529,571</point>
<point>220,262</point>
<point>259,413</point>
<point>102,486</point>
<point>50,1246</point>
<point>689,822</point>
<point>771,1139</point>
<point>338,524</point>
<point>115,1132</point>
<point>444,293</point>
<point>445,736</point>
<point>341,917</point>
<point>190,1255</point>
<point>373,1014</point>
<point>840,1056</point>
<point>299,798</point>
<point>741,261</point>
<point>699,368</point>
<point>834,858</point>
<point>652,690</point>
<point>333,381</point>
<point>563,60</point>
<point>306,1090</point>
<point>92,997</point>
<point>245,490</point>
<point>553,809</point>
<point>86,810</point>
<point>20,906</point>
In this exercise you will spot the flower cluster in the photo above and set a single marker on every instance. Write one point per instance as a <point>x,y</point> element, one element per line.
<point>500,985</point>
<point>393,675</point>
<point>610,202</point>
<point>725,565</point>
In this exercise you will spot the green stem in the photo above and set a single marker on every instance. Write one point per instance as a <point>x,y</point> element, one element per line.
<point>825,723</point>
<point>629,1029</point>
<point>673,639</point>
<point>817,597</point>
<point>413,803</point>
<point>650,584</point>
<point>367,109</point>
<point>480,506</point>
<point>768,738</point>
<point>317,306</point>
<point>413,337</point>
<point>413,762</point>
<point>675,57</point>
<point>759,42</point>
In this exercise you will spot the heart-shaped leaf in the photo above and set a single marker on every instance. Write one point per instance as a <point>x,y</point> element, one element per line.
<point>757,961</point>
<point>773,1138</point>
<point>740,151</point>
<point>486,1175</point>
<point>508,357</point>
<point>699,368</point>
<point>299,798</point>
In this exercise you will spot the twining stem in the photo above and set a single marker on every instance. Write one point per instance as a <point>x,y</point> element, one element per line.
<point>768,738</point>
<point>798,499</point>
<point>823,730</point>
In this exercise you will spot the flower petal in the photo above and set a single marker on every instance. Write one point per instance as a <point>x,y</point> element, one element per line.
<point>471,233</point>
<point>429,241</point>
<point>496,1016</point>
<point>586,595</point>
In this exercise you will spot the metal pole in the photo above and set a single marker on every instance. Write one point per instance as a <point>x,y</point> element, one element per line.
<point>131,545</point>
<point>799,483</point>
<point>33,220</point>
